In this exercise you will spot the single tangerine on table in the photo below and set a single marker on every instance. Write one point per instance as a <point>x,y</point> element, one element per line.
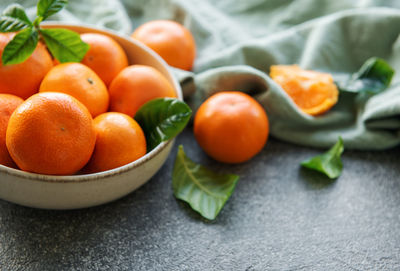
<point>135,85</point>
<point>231,127</point>
<point>23,79</point>
<point>80,82</point>
<point>51,133</point>
<point>313,92</point>
<point>105,56</point>
<point>8,103</point>
<point>171,40</point>
<point>120,140</point>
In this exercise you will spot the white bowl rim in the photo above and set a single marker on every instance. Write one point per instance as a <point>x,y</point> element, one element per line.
<point>116,171</point>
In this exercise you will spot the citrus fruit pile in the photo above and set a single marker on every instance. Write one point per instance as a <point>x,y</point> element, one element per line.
<point>66,118</point>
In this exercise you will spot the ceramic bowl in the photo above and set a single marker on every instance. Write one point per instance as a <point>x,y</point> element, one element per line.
<point>79,191</point>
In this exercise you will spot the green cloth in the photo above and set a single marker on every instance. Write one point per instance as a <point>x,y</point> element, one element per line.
<point>237,41</point>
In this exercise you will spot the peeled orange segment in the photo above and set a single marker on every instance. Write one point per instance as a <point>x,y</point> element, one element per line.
<point>313,92</point>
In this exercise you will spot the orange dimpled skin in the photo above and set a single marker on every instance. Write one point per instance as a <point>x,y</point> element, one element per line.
<point>51,133</point>
<point>313,92</point>
<point>105,56</point>
<point>80,82</point>
<point>171,40</point>
<point>120,140</point>
<point>231,127</point>
<point>23,79</point>
<point>134,86</point>
<point>8,103</point>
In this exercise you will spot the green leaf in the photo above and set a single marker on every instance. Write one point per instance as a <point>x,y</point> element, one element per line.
<point>37,21</point>
<point>46,8</point>
<point>20,47</point>
<point>204,190</point>
<point>373,77</point>
<point>65,45</point>
<point>14,19</point>
<point>328,163</point>
<point>162,119</point>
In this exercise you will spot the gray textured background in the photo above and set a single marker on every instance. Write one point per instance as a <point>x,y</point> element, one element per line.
<point>279,218</point>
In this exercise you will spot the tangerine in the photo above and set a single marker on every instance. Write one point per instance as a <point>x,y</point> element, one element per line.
<point>8,103</point>
<point>135,85</point>
<point>231,127</point>
<point>120,140</point>
<point>23,79</point>
<point>51,133</point>
<point>171,40</point>
<point>313,92</point>
<point>80,82</point>
<point>105,56</point>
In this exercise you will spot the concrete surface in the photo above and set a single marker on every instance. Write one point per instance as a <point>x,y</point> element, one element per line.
<point>279,218</point>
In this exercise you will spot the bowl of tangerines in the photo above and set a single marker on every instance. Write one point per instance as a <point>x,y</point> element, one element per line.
<point>86,115</point>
